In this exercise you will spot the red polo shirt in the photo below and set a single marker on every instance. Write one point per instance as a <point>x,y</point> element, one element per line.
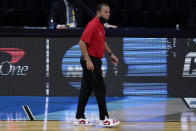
<point>94,37</point>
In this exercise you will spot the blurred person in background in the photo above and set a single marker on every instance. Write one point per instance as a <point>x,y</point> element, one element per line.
<point>191,24</point>
<point>71,13</point>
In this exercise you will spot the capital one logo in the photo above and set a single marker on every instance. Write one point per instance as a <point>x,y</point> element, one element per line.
<point>9,67</point>
<point>190,65</point>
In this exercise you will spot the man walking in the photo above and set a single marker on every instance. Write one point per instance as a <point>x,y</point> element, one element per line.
<point>93,47</point>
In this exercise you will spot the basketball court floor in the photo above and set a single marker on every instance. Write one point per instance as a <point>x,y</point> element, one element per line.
<point>136,113</point>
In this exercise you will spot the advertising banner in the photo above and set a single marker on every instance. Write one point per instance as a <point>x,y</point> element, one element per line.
<point>181,77</point>
<point>22,66</point>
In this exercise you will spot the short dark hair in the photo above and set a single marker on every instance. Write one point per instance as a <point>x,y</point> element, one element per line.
<point>99,6</point>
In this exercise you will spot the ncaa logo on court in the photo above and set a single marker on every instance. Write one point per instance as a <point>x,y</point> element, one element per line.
<point>9,67</point>
<point>71,63</point>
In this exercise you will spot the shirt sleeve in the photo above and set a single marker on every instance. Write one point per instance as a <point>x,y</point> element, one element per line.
<point>88,33</point>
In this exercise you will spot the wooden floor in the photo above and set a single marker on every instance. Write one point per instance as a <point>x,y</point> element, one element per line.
<point>134,113</point>
<point>123,126</point>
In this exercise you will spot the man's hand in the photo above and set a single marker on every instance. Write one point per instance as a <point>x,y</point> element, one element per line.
<point>89,65</point>
<point>114,59</point>
<point>110,26</point>
<point>61,27</point>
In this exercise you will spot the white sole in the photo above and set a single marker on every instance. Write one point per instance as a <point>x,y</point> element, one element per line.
<point>108,125</point>
<point>83,124</point>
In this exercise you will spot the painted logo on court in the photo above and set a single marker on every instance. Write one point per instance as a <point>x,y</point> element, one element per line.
<point>8,67</point>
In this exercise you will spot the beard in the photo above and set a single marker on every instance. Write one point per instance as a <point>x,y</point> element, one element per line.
<point>102,20</point>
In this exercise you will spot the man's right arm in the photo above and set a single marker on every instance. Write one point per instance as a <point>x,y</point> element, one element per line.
<point>83,48</point>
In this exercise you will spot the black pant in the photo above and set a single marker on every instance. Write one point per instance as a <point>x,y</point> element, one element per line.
<point>92,81</point>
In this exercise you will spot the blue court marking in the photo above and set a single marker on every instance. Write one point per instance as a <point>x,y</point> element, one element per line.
<point>64,108</point>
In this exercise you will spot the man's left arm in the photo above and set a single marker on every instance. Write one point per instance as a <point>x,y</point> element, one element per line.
<point>113,58</point>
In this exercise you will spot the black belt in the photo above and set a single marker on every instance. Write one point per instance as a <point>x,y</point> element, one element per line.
<point>92,57</point>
